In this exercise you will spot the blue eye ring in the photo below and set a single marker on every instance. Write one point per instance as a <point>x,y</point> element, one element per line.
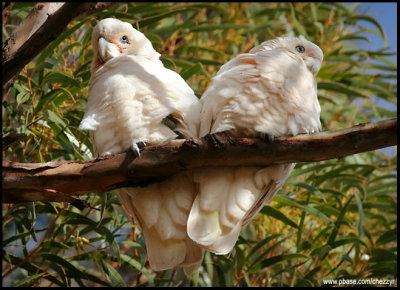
<point>124,39</point>
<point>300,49</point>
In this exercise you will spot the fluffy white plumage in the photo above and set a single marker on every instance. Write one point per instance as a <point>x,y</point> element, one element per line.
<point>269,91</point>
<point>131,94</point>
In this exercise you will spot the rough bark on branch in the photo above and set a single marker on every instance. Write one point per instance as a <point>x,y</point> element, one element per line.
<point>54,25</point>
<point>58,181</point>
<point>30,24</point>
<point>6,11</point>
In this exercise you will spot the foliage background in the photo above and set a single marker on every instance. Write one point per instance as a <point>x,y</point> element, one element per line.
<point>332,219</point>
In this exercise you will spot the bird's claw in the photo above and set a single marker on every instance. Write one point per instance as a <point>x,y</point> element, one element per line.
<point>141,144</point>
<point>137,146</point>
<point>265,136</point>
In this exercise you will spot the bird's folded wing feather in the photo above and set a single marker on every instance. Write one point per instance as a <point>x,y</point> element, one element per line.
<point>161,211</point>
<point>228,200</point>
<point>127,94</point>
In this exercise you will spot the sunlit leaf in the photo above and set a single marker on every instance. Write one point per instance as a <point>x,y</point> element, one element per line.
<point>27,280</point>
<point>267,210</point>
<point>270,261</point>
<point>60,78</point>
<point>138,267</point>
<point>389,236</point>
<point>113,275</point>
<point>57,42</point>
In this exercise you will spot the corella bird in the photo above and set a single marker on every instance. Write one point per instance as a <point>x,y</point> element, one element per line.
<point>270,91</point>
<point>134,101</point>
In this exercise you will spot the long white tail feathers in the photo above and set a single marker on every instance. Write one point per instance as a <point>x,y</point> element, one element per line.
<point>178,225</point>
<point>161,211</point>
<point>228,199</point>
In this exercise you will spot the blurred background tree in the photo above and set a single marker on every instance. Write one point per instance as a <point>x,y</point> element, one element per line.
<point>333,219</point>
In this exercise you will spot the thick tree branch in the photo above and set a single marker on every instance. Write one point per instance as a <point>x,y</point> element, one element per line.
<point>29,25</point>
<point>6,11</point>
<point>93,7</point>
<point>58,181</point>
<point>54,25</point>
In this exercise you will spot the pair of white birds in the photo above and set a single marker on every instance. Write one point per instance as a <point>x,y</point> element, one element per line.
<point>270,90</point>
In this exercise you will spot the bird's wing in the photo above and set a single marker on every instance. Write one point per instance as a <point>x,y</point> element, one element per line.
<point>186,105</point>
<point>269,91</point>
<point>161,211</point>
<point>134,95</point>
<point>228,199</point>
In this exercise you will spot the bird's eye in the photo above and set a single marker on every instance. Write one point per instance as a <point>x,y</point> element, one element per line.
<point>300,49</point>
<point>124,39</point>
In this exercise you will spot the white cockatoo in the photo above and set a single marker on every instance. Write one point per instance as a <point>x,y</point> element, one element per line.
<point>133,101</point>
<point>270,91</point>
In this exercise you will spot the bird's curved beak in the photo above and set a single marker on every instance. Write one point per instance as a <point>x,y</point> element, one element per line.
<point>107,50</point>
<point>312,64</point>
<point>102,48</point>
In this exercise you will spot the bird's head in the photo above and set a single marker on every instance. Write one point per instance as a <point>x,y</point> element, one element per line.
<point>310,53</point>
<point>112,37</point>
